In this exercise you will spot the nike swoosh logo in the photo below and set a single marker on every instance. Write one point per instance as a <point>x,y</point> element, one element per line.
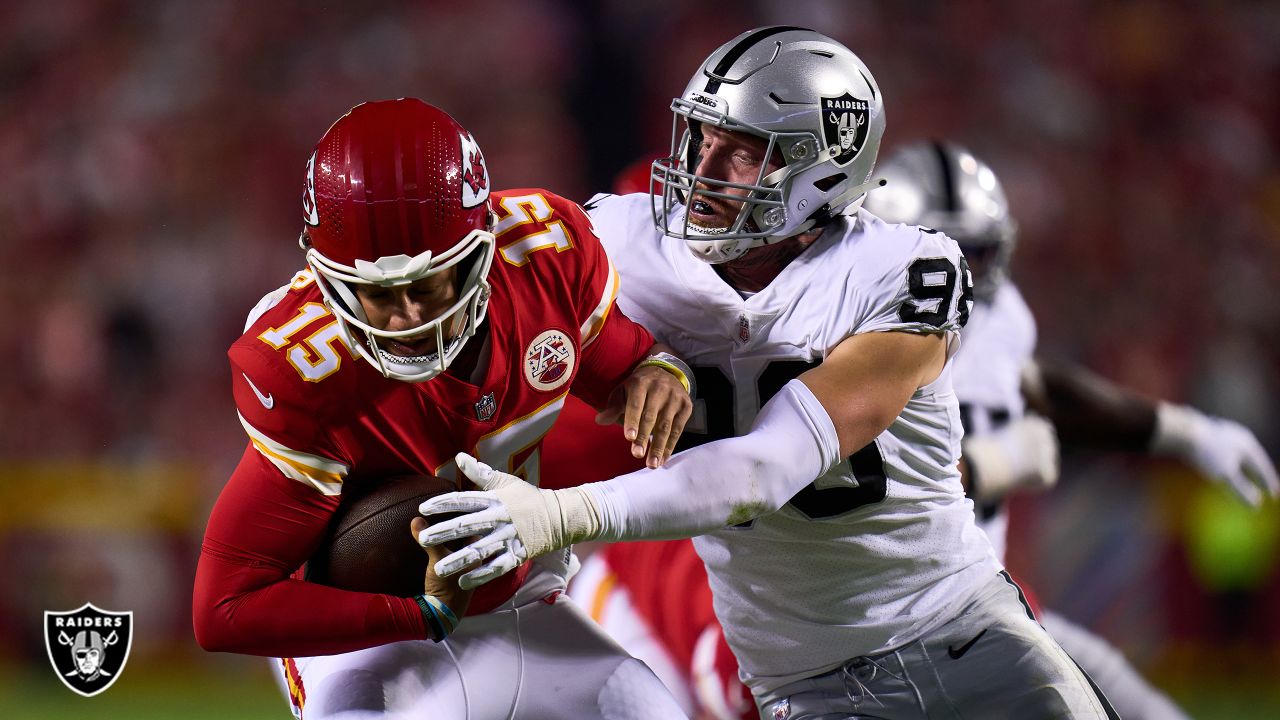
<point>267,401</point>
<point>592,204</point>
<point>957,653</point>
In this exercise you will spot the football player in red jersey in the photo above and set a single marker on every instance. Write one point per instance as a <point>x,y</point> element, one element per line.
<point>434,317</point>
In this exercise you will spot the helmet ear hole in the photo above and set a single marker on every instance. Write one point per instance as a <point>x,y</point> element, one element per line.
<point>830,181</point>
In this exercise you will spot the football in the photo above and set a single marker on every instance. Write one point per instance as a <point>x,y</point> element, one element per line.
<point>368,547</point>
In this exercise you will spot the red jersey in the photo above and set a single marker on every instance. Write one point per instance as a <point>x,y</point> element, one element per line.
<point>321,419</point>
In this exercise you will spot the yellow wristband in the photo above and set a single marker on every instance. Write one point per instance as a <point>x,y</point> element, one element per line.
<point>669,367</point>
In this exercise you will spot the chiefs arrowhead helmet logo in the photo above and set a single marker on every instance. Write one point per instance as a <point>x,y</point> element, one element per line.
<point>475,174</point>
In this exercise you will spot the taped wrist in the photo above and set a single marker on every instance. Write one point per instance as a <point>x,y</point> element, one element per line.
<point>1178,431</point>
<point>548,520</point>
<point>673,365</point>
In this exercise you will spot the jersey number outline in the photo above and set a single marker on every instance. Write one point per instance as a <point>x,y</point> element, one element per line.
<point>715,407</point>
<point>535,214</point>
<point>515,447</point>
<point>931,282</point>
<point>316,357</point>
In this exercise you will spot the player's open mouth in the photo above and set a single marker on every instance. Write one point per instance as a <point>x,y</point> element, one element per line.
<point>410,348</point>
<point>707,219</point>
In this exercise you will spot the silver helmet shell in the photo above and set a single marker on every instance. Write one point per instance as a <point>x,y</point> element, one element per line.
<point>944,187</point>
<point>813,101</point>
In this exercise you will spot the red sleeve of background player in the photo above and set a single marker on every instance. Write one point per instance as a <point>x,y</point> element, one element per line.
<point>262,528</point>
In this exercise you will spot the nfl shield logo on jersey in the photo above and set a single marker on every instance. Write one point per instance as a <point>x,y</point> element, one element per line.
<point>88,647</point>
<point>485,407</point>
<point>781,709</point>
<point>844,123</point>
<point>549,361</point>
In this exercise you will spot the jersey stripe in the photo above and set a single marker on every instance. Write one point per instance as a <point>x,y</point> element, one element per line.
<point>321,473</point>
<point>600,598</point>
<point>590,329</point>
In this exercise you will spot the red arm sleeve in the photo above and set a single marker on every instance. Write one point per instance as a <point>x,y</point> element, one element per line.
<point>609,360</point>
<point>262,528</point>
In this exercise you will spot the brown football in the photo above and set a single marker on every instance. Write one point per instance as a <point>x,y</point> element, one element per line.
<point>369,547</point>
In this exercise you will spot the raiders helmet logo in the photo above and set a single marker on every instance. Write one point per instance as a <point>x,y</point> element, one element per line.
<point>845,125</point>
<point>475,174</point>
<point>549,361</point>
<point>88,647</point>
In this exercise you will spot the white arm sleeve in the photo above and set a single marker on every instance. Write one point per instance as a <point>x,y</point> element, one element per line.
<point>726,482</point>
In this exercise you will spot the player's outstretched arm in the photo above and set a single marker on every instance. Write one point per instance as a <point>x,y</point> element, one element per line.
<point>824,415</point>
<point>866,381</point>
<point>1093,412</point>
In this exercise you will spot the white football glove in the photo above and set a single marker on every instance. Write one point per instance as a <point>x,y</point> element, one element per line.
<point>1221,449</point>
<point>512,520</point>
<point>1020,455</point>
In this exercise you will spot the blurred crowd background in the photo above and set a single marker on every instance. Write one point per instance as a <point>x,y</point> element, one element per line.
<point>151,167</point>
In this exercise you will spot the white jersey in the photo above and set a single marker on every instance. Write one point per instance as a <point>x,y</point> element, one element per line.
<point>999,341</point>
<point>881,549</point>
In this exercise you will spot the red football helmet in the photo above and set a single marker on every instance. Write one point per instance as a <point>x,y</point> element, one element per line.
<point>398,191</point>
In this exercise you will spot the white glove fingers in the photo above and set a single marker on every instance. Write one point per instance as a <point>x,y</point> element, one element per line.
<point>478,523</point>
<point>1243,486</point>
<point>469,501</point>
<point>495,568</point>
<point>1260,469</point>
<point>476,552</point>
<point>475,470</point>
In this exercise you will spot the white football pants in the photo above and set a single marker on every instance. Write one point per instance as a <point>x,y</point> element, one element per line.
<point>542,659</point>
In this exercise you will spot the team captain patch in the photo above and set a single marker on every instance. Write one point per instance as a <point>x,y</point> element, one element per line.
<point>549,361</point>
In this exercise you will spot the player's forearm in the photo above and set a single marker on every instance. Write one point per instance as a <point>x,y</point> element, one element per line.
<point>262,528</point>
<point>1089,411</point>
<point>234,611</point>
<point>725,482</point>
<point>610,358</point>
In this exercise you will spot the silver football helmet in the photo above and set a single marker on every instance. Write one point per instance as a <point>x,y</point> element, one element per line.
<point>816,105</point>
<point>944,187</point>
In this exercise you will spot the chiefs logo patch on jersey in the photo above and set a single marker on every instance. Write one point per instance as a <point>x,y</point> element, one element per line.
<point>549,361</point>
<point>475,174</point>
<point>844,123</point>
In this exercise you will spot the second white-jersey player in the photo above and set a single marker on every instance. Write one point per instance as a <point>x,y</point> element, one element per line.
<point>999,342</point>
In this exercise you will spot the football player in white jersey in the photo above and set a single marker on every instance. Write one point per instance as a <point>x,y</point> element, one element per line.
<point>844,558</point>
<point>996,377</point>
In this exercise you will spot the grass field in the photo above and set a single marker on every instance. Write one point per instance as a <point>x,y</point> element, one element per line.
<point>245,691</point>
<point>146,693</point>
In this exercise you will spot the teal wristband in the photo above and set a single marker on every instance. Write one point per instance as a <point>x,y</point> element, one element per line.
<point>440,619</point>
